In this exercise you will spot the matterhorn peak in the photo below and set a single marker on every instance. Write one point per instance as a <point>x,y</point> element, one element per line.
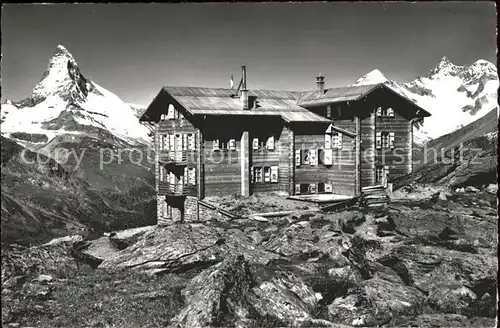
<point>373,77</point>
<point>63,78</point>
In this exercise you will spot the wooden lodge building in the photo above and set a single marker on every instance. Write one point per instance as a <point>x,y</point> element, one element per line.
<point>212,141</point>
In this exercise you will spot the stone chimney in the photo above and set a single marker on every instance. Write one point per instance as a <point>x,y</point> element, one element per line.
<point>244,91</point>
<point>320,83</point>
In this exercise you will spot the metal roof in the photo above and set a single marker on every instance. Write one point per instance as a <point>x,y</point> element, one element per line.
<point>334,95</point>
<point>214,101</point>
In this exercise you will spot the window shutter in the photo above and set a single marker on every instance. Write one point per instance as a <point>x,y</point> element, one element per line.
<point>297,157</point>
<point>171,142</point>
<point>270,143</point>
<point>313,156</point>
<point>297,189</point>
<point>391,139</point>
<point>255,143</point>
<point>328,141</point>
<point>232,144</point>
<point>171,112</point>
<point>178,142</point>
<point>328,158</point>
<point>185,176</point>
<point>191,143</point>
<point>305,157</point>
<point>390,112</point>
<point>216,144</point>
<point>274,173</point>
<point>379,111</point>
<point>184,141</point>
<point>192,176</point>
<point>378,140</point>
<point>339,142</point>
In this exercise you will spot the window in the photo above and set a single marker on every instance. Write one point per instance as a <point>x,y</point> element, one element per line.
<point>255,143</point>
<point>184,142</point>
<point>385,139</point>
<point>328,141</point>
<point>274,174</point>
<point>328,187</point>
<point>192,176</point>
<point>321,187</point>
<point>329,111</point>
<point>185,176</point>
<point>382,174</point>
<point>297,188</point>
<point>337,140</point>
<point>267,174</point>
<point>304,188</point>
<point>171,112</point>
<point>258,174</point>
<point>178,142</point>
<point>306,157</point>
<point>171,141</point>
<point>191,141</point>
<point>216,144</point>
<point>385,112</point>
<point>313,157</point>
<point>171,178</point>
<point>298,157</point>
<point>232,144</point>
<point>162,172</point>
<point>312,188</point>
<point>163,117</point>
<point>270,143</point>
<point>327,157</point>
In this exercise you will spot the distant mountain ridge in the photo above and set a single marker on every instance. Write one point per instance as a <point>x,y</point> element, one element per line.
<point>454,95</point>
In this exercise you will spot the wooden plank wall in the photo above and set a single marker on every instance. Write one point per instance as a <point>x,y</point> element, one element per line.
<point>341,173</point>
<point>280,157</point>
<point>221,167</point>
<point>398,158</point>
<point>367,150</point>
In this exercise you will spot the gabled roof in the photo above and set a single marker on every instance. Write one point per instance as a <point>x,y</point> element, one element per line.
<point>217,101</point>
<point>348,94</point>
<point>334,95</point>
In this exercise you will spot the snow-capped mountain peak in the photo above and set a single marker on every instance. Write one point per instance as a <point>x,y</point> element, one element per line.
<point>454,95</point>
<point>65,102</point>
<point>373,77</point>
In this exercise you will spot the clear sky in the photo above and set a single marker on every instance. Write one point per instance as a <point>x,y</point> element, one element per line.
<point>134,49</point>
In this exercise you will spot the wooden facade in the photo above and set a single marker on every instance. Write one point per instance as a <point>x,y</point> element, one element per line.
<point>293,143</point>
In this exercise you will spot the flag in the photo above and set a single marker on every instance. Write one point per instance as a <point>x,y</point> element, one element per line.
<point>231,82</point>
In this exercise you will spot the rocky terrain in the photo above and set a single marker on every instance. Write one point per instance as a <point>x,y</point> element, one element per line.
<point>428,259</point>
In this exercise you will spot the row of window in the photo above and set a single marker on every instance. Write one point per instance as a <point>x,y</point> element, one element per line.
<point>257,143</point>
<point>266,174</point>
<point>385,112</point>
<point>333,141</point>
<point>188,177</point>
<point>313,188</point>
<point>313,157</point>
<point>384,139</point>
<point>177,142</point>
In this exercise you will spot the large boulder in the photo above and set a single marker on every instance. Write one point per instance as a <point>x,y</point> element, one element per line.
<point>217,296</point>
<point>375,302</point>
